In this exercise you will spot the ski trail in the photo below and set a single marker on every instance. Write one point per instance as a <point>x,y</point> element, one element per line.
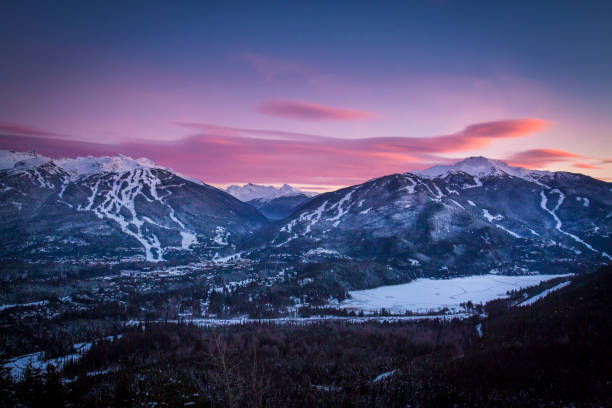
<point>118,203</point>
<point>553,213</point>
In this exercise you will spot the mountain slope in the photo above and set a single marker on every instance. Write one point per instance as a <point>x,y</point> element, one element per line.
<point>113,208</point>
<point>275,203</point>
<point>476,216</point>
<point>280,207</point>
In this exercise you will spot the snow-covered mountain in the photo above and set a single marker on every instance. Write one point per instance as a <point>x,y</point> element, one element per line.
<point>113,208</point>
<point>471,217</point>
<point>275,203</point>
<point>250,192</point>
<point>483,167</point>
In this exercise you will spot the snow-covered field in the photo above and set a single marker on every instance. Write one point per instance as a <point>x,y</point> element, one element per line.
<point>433,294</point>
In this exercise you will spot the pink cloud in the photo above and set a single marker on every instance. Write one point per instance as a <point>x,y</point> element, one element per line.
<point>311,111</point>
<point>586,166</point>
<point>233,131</point>
<point>538,158</point>
<point>13,128</point>
<point>221,155</point>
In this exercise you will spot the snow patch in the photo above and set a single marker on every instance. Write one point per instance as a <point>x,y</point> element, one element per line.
<point>585,201</point>
<point>553,213</point>
<point>542,295</point>
<point>491,218</point>
<point>422,295</point>
<point>221,236</point>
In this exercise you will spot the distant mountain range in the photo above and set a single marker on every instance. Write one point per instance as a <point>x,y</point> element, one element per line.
<point>476,216</point>
<point>275,203</point>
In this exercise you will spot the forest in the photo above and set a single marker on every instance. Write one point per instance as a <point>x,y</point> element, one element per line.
<point>554,353</point>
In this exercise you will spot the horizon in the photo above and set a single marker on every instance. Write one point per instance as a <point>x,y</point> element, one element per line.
<point>303,188</point>
<point>224,95</point>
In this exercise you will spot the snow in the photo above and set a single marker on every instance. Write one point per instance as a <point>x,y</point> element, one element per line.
<point>21,160</point>
<point>539,296</point>
<point>119,201</point>
<point>80,166</point>
<point>105,164</point>
<point>313,217</point>
<point>225,259</point>
<point>385,375</point>
<point>498,217</point>
<point>423,295</point>
<point>11,306</point>
<point>477,183</point>
<point>533,232</point>
<point>479,330</point>
<point>482,167</point>
<point>17,365</point>
<point>585,201</point>
<point>188,239</point>
<point>321,251</point>
<point>553,212</point>
<point>470,202</point>
<point>491,218</point>
<point>514,234</point>
<point>114,197</point>
<point>410,188</point>
<point>341,211</point>
<point>457,204</point>
<point>252,191</point>
<point>221,236</point>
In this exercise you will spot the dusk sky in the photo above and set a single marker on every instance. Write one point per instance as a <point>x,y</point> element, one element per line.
<point>314,94</point>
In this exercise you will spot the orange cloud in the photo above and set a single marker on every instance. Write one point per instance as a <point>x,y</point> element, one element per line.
<point>585,166</point>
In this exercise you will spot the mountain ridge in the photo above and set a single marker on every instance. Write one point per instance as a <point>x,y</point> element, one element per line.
<point>250,192</point>
<point>472,217</point>
<point>497,217</point>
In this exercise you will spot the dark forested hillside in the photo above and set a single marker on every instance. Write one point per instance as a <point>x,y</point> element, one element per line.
<point>555,353</point>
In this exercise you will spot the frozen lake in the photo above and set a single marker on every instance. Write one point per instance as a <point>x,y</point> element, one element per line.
<point>423,295</point>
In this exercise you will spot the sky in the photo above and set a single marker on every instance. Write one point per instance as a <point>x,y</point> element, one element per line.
<point>315,94</point>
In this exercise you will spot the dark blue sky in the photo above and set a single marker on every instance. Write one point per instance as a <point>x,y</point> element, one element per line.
<point>117,70</point>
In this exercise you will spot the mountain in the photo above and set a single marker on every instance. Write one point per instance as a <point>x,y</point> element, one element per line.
<point>113,208</point>
<point>281,207</point>
<point>476,216</point>
<point>250,192</point>
<point>275,203</point>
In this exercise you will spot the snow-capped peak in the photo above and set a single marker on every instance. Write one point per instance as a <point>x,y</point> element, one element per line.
<point>480,167</point>
<point>21,160</point>
<point>80,166</point>
<point>76,166</point>
<point>252,191</point>
<point>105,164</point>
